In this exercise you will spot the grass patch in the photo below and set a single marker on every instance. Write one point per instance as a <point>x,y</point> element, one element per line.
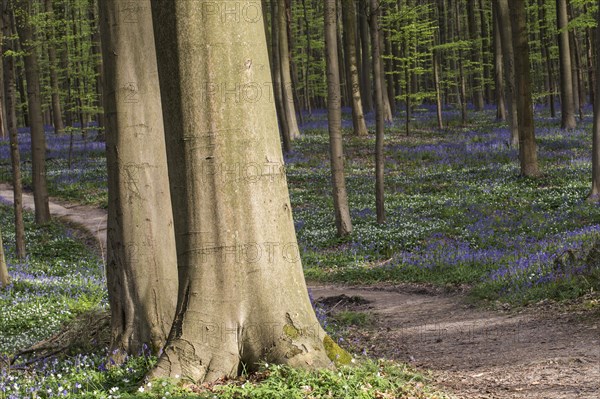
<point>347,318</point>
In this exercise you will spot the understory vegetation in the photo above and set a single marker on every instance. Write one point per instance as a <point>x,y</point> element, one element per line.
<point>458,215</point>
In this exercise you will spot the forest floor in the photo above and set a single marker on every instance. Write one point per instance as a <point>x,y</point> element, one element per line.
<point>542,351</point>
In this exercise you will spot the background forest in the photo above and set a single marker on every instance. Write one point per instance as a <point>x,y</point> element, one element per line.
<point>462,131</point>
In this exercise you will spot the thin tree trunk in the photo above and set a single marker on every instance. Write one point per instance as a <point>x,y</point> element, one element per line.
<point>580,92</point>
<point>474,25</point>
<point>79,76</point>
<point>499,72</point>
<point>298,105</point>
<point>3,123</point>
<point>486,45</point>
<point>349,23</point>
<point>8,30</point>
<point>387,105</point>
<point>462,89</point>
<point>277,82</point>
<point>575,76</point>
<point>38,138</point>
<point>4,277</point>
<point>566,79</point>
<point>97,60</point>
<point>375,12</point>
<point>20,83</point>
<point>436,83</point>
<point>56,107</point>
<point>307,91</point>
<point>334,117</point>
<point>594,195</point>
<point>527,144</point>
<point>366,64</point>
<point>389,67</point>
<point>141,255</point>
<point>589,39</point>
<point>229,317</point>
<point>286,77</point>
<point>589,44</point>
<point>504,22</point>
<point>545,46</point>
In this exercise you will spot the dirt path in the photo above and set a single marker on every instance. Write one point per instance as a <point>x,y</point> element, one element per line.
<point>542,353</point>
<point>534,353</point>
<point>91,219</point>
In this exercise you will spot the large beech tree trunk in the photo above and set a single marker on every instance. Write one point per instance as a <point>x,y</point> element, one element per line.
<point>567,104</point>
<point>34,102</point>
<point>595,193</point>
<point>334,117</point>
<point>242,295</point>
<point>10,95</point>
<point>350,47</point>
<point>527,144</point>
<point>375,12</point>
<point>141,258</point>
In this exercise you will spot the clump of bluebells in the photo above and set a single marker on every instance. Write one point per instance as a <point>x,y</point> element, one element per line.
<point>76,167</point>
<point>457,210</point>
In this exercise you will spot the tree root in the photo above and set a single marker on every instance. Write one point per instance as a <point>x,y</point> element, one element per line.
<point>88,331</point>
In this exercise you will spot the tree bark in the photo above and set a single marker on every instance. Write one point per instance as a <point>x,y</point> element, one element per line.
<point>20,76</point>
<point>10,95</point>
<point>436,83</point>
<point>578,80</point>
<point>527,144</point>
<point>589,40</point>
<point>389,67</point>
<point>567,105</point>
<point>545,49</point>
<point>499,71</point>
<point>97,61</point>
<point>242,295</point>
<point>375,12</point>
<point>4,277</point>
<point>38,138</point>
<point>366,63</point>
<point>307,91</point>
<point>349,22</point>
<point>462,89</point>
<point>286,77</point>
<point>474,25</point>
<point>334,117</point>
<point>56,107</point>
<point>486,48</point>
<point>504,22</point>
<point>594,195</point>
<point>141,256</point>
<point>277,81</point>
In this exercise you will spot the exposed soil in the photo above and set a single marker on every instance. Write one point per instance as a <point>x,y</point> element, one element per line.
<point>546,351</point>
<point>543,352</point>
